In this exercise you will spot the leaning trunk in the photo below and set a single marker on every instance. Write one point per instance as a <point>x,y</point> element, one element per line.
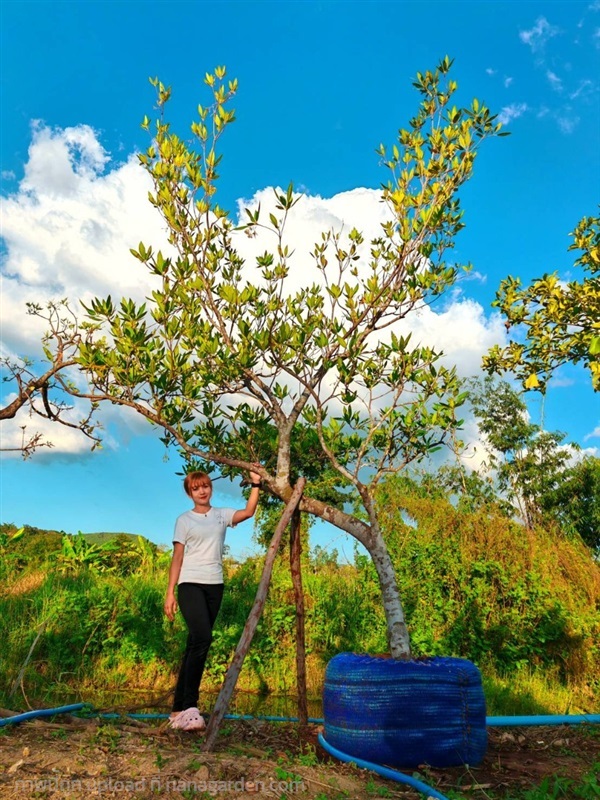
<point>371,538</point>
<point>397,632</point>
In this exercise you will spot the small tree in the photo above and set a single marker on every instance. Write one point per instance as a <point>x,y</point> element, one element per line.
<point>555,322</point>
<point>235,367</point>
<point>529,464</point>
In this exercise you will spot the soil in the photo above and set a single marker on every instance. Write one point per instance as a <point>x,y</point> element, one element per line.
<point>75,758</point>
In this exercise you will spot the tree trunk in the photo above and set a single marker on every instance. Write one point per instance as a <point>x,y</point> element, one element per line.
<point>296,571</point>
<point>397,632</point>
<point>235,667</point>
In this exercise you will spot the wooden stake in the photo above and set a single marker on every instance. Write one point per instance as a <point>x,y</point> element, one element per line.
<point>296,571</point>
<point>235,667</point>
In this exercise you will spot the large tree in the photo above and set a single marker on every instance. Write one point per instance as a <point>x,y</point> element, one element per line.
<point>236,366</point>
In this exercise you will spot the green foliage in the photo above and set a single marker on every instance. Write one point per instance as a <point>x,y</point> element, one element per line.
<point>523,604</point>
<point>563,788</point>
<point>557,322</point>
<point>478,585</point>
<point>575,501</point>
<point>529,464</point>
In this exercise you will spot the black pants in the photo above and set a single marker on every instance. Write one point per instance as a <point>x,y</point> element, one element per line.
<point>199,604</point>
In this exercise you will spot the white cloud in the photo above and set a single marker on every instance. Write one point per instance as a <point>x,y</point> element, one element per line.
<point>586,452</point>
<point>490,71</point>
<point>513,111</point>
<point>65,440</point>
<point>595,434</point>
<point>567,122</point>
<point>585,89</point>
<point>69,226</point>
<point>539,35</point>
<point>507,81</point>
<point>554,81</point>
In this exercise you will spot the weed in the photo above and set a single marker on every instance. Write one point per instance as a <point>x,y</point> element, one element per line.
<point>308,758</point>
<point>160,761</point>
<point>107,736</point>
<point>284,775</point>
<point>377,789</point>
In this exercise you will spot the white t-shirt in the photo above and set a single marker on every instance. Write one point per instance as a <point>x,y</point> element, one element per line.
<point>203,536</point>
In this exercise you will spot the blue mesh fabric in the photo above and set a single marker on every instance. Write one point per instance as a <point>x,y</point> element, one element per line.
<point>405,713</point>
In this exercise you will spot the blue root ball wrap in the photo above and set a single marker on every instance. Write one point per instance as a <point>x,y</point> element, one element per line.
<point>405,713</point>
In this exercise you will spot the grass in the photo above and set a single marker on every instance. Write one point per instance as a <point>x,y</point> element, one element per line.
<point>530,692</point>
<point>560,788</point>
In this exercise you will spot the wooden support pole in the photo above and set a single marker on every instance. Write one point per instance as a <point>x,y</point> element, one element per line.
<point>222,703</point>
<point>296,571</point>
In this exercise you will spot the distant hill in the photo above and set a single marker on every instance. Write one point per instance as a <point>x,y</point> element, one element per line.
<point>103,536</point>
<point>51,539</point>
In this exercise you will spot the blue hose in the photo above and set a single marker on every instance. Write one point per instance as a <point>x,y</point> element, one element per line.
<point>41,712</point>
<point>543,719</point>
<point>491,722</point>
<point>385,772</point>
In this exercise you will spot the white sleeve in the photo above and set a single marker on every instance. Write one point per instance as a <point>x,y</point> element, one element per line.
<point>180,533</point>
<point>228,516</point>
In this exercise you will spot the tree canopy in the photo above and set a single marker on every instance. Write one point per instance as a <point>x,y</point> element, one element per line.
<point>554,322</point>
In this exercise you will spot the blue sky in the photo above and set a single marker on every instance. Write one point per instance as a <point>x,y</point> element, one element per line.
<point>320,85</point>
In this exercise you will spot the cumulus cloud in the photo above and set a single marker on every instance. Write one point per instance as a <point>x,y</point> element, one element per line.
<point>68,228</point>
<point>14,433</point>
<point>70,223</point>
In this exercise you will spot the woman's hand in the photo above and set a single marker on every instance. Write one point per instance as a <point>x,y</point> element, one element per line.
<point>254,476</point>
<point>170,606</point>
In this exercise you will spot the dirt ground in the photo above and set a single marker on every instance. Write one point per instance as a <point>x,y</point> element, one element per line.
<point>73,758</point>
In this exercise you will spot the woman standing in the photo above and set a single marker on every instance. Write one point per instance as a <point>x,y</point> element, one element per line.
<point>197,570</point>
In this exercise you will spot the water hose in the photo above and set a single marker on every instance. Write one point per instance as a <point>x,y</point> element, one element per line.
<point>41,712</point>
<point>491,722</point>
<point>385,772</point>
<point>543,719</point>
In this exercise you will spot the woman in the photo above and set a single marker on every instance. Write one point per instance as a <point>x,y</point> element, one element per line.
<point>197,570</point>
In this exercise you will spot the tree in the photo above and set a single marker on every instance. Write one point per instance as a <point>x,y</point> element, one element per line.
<point>529,464</point>
<point>575,502</point>
<point>237,368</point>
<point>558,322</point>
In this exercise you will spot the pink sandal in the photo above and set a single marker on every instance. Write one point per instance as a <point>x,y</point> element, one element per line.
<point>188,720</point>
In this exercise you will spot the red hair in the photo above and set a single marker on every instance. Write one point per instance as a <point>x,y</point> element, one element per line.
<point>194,479</point>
